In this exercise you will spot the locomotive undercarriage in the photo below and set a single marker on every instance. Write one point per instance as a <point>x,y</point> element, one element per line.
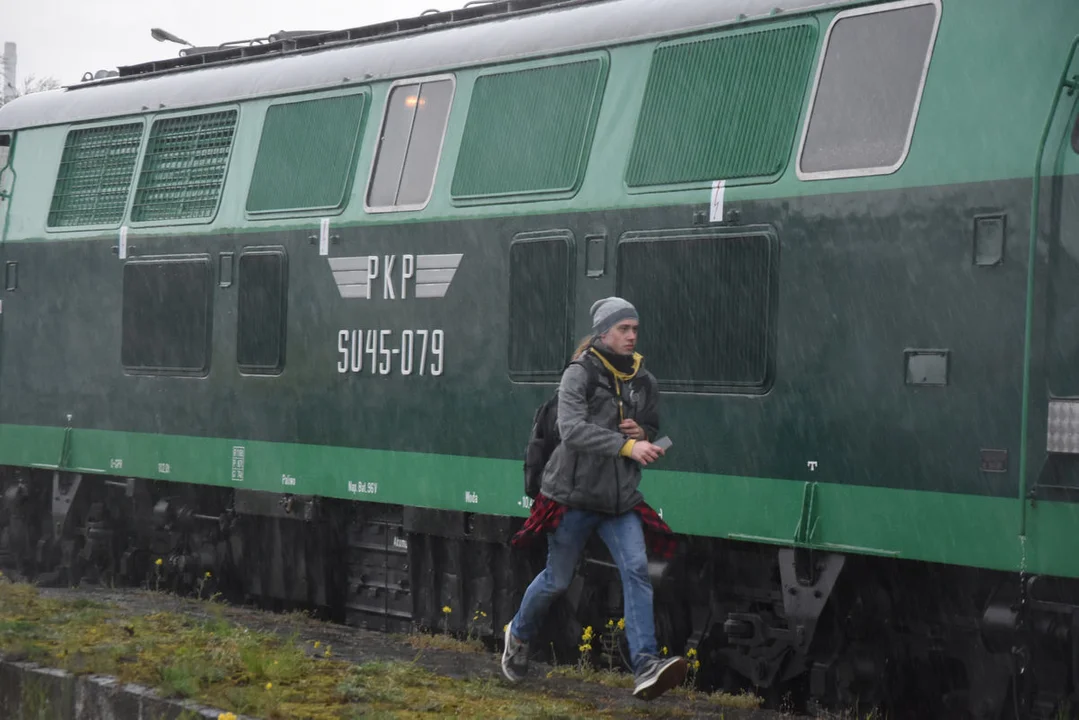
<point>798,627</point>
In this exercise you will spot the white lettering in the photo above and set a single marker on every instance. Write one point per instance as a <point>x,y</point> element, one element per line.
<point>408,270</point>
<point>437,338</point>
<point>384,351</point>
<point>288,480</point>
<point>367,488</point>
<point>387,277</point>
<point>116,464</point>
<point>163,468</point>
<point>406,352</point>
<point>372,349</point>
<point>812,465</point>
<point>471,497</point>
<point>342,347</point>
<point>372,272</point>
<point>239,457</point>
<point>421,350</point>
<point>357,351</point>
<point>400,543</point>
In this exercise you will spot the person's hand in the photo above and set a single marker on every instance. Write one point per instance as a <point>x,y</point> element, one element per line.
<point>645,452</point>
<point>632,430</point>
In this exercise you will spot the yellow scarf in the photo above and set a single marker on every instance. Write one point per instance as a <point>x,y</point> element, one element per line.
<point>619,377</point>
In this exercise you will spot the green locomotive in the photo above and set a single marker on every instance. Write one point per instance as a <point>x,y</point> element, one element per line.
<point>283,311</point>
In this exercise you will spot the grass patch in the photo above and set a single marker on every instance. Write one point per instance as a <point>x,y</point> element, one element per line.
<point>239,670</point>
<point>743,700</point>
<point>382,689</point>
<point>608,678</point>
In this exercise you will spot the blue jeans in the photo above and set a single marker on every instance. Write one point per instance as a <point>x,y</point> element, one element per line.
<point>625,539</point>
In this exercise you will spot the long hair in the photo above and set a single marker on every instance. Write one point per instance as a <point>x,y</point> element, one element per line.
<point>583,346</point>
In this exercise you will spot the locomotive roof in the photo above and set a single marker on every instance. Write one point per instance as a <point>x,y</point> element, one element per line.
<point>407,48</point>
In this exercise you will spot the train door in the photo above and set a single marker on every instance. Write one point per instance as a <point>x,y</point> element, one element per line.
<point>1053,463</point>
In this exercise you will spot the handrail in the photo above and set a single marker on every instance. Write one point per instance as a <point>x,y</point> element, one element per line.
<point>1072,85</point>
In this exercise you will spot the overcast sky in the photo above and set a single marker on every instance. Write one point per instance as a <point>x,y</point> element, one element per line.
<point>66,38</point>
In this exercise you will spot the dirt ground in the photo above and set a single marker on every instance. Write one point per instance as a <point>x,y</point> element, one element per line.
<point>361,646</point>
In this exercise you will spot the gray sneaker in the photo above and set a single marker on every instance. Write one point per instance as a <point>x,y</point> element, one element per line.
<point>658,676</point>
<point>514,658</point>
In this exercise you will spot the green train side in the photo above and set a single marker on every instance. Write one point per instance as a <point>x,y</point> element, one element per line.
<point>283,313</point>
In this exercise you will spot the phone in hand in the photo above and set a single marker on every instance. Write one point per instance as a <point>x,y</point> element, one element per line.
<point>664,442</point>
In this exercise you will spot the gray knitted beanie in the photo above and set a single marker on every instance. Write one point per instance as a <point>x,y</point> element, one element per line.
<point>608,312</point>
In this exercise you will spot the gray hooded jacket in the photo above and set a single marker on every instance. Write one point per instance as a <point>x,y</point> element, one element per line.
<point>586,470</point>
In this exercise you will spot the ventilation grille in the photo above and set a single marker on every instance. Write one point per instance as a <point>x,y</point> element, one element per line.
<point>95,176</point>
<point>529,131</point>
<point>706,306</point>
<point>722,108</point>
<point>539,303</point>
<point>166,315</point>
<point>260,323</point>
<point>306,154</point>
<point>184,167</point>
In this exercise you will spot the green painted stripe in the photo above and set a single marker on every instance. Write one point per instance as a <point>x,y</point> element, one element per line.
<point>930,526</point>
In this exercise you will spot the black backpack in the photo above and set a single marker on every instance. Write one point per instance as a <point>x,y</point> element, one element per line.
<point>545,436</point>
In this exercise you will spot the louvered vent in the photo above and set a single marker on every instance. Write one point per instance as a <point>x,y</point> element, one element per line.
<point>306,154</point>
<point>722,108</point>
<point>706,304</point>
<point>540,296</point>
<point>529,131</point>
<point>167,315</point>
<point>261,312</point>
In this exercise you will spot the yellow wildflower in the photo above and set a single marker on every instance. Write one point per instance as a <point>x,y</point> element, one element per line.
<point>158,562</point>
<point>696,665</point>
<point>317,643</point>
<point>610,623</point>
<point>207,573</point>
<point>691,653</point>
<point>664,650</point>
<point>327,653</point>
<point>446,610</point>
<point>621,623</point>
<point>269,686</point>
<point>587,635</point>
<point>226,716</point>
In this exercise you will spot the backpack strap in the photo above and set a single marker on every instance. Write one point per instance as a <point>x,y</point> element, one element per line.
<point>593,375</point>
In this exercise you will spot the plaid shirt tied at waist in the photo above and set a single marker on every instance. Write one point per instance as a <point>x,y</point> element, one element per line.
<point>546,514</point>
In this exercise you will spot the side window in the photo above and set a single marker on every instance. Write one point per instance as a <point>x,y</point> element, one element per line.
<point>409,145</point>
<point>184,167</point>
<point>260,323</point>
<point>166,315</point>
<point>867,91</point>
<point>539,295</point>
<point>306,155</point>
<point>729,278</point>
<point>95,176</point>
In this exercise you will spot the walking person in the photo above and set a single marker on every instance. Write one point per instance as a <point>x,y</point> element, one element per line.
<point>607,418</point>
